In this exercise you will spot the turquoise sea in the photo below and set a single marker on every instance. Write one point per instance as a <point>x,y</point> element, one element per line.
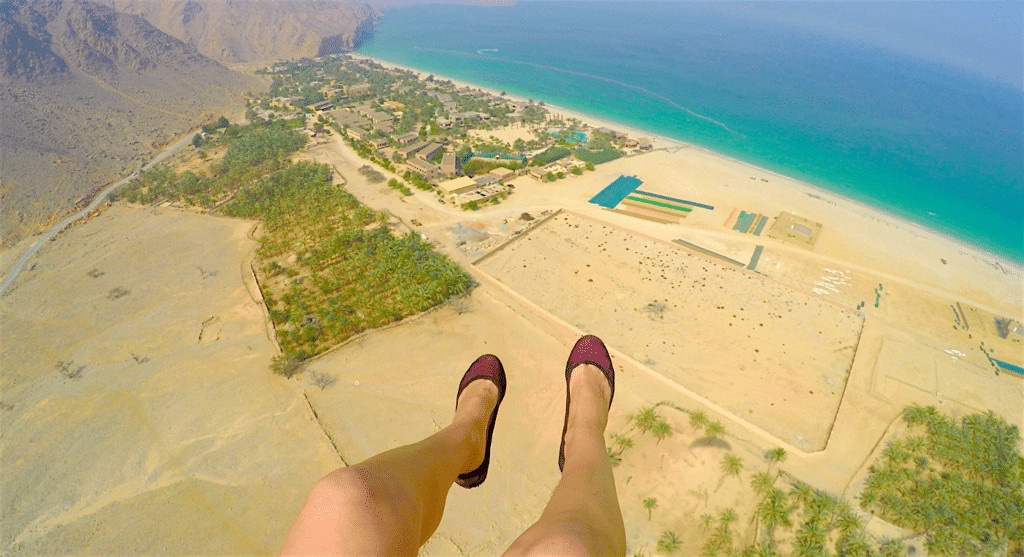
<point>889,104</point>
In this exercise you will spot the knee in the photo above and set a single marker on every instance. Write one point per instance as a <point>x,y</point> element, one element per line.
<point>358,496</point>
<point>572,539</point>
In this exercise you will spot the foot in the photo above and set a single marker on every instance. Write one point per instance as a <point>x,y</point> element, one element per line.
<point>591,397</point>
<point>590,388</point>
<point>476,407</point>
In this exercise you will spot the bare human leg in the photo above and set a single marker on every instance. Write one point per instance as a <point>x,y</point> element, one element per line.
<point>583,515</point>
<point>391,503</point>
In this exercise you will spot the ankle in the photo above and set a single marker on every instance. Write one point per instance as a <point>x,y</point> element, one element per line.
<point>590,395</point>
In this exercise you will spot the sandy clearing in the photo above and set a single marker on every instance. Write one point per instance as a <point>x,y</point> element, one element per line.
<point>190,448</point>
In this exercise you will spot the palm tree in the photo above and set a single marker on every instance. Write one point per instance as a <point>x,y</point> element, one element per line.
<point>645,419</point>
<point>650,503</point>
<point>774,511</point>
<point>727,516</point>
<point>698,420</point>
<point>732,465</point>
<point>661,430</point>
<point>763,483</point>
<point>763,549</point>
<point>775,456</point>
<point>706,520</point>
<point>890,547</point>
<point>669,542</point>
<point>714,430</point>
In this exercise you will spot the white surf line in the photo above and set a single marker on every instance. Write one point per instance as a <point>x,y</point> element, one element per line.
<point>100,198</point>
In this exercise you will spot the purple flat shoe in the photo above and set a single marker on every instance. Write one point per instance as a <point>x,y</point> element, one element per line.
<point>486,367</point>
<point>588,350</point>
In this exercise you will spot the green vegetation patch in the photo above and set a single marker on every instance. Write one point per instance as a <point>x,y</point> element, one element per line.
<point>597,157</point>
<point>476,167</point>
<point>252,151</point>
<point>349,273</point>
<point>328,266</point>
<point>550,155</point>
<point>960,482</point>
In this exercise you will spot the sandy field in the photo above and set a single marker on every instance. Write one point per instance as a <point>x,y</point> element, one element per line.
<point>176,439</point>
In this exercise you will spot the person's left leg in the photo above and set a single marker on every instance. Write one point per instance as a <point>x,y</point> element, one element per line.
<point>391,503</point>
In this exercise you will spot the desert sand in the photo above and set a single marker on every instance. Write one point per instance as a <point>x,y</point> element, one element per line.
<point>176,438</point>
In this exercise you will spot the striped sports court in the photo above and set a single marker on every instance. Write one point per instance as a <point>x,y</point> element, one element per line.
<point>624,196</point>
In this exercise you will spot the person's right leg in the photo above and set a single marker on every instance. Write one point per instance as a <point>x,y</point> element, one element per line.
<point>583,515</point>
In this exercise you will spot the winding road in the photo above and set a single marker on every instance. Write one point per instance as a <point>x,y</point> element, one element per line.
<point>100,198</point>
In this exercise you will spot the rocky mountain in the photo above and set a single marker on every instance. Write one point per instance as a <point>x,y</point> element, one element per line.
<point>250,33</point>
<point>86,94</point>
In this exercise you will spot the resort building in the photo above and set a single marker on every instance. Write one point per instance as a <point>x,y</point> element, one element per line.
<point>407,138</point>
<point>480,195</point>
<point>430,151</point>
<point>462,184</point>
<point>485,180</point>
<point>429,170</point>
<point>357,133</point>
<point>502,173</point>
<point>323,105</point>
<point>412,149</point>
<point>358,89</point>
<point>379,142</point>
<point>448,164</point>
<point>379,117</point>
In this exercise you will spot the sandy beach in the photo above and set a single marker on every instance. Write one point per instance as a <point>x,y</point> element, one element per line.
<point>815,348</point>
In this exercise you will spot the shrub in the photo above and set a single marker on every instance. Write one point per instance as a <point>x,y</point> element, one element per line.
<point>286,365</point>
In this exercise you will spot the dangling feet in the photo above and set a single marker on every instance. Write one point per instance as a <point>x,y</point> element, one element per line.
<point>479,395</point>
<point>592,357</point>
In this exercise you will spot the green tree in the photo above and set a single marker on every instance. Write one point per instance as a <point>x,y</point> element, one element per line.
<point>650,503</point>
<point>669,542</point>
<point>732,465</point>
<point>698,420</point>
<point>714,430</point>
<point>645,419</point>
<point>775,456</point>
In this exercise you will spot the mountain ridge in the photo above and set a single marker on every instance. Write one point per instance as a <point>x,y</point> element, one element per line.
<point>90,89</point>
<point>250,33</point>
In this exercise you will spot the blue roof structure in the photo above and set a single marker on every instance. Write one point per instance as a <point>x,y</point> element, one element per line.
<point>612,195</point>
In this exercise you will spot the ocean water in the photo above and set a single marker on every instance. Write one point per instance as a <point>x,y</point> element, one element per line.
<point>904,125</point>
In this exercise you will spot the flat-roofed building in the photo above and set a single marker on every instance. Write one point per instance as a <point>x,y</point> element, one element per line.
<point>448,167</point>
<point>357,89</point>
<point>480,195</point>
<point>357,133</point>
<point>407,138</point>
<point>502,173</point>
<point>376,116</point>
<point>379,142</point>
<point>412,149</point>
<point>485,180</point>
<point>430,151</point>
<point>429,170</point>
<point>455,186</point>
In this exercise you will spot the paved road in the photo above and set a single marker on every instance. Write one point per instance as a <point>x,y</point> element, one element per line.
<point>100,198</point>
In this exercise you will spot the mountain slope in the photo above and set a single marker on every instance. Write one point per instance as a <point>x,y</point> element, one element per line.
<point>257,32</point>
<point>86,94</point>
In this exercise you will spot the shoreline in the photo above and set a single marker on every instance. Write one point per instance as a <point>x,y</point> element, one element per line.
<point>979,253</point>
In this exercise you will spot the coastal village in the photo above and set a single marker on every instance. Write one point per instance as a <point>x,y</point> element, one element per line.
<point>434,133</point>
